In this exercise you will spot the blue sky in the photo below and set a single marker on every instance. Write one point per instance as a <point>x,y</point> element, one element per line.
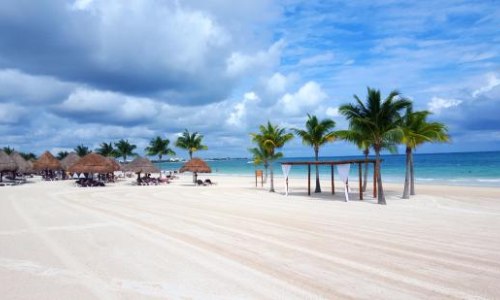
<point>92,71</point>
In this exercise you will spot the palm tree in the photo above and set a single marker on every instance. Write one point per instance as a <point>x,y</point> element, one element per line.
<point>271,137</point>
<point>378,119</point>
<point>260,156</point>
<point>159,146</point>
<point>416,131</point>
<point>316,134</point>
<point>124,149</point>
<point>62,154</point>
<point>82,150</point>
<point>8,150</point>
<point>28,156</point>
<point>106,150</point>
<point>190,142</point>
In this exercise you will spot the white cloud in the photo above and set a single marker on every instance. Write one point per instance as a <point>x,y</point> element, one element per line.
<point>277,84</point>
<point>322,58</point>
<point>240,110</point>
<point>86,105</point>
<point>29,88</point>
<point>239,63</point>
<point>492,82</point>
<point>308,97</point>
<point>437,104</point>
<point>332,112</point>
<point>11,113</point>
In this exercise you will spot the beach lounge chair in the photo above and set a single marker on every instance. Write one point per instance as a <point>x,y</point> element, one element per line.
<point>209,182</point>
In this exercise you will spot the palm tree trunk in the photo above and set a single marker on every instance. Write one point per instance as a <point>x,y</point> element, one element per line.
<point>266,167</point>
<point>1,176</point>
<point>318,187</point>
<point>190,154</point>
<point>380,196</point>
<point>272,177</point>
<point>412,176</point>
<point>406,192</point>
<point>365,179</point>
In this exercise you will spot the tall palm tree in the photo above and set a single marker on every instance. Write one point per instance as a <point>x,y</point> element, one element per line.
<point>190,142</point>
<point>271,137</point>
<point>261,156</point>
<point>379,119</point>
<point>106,150</point>
<point>124,149</point>
<point>62,154</point>
<point>316,134</point>
<point>159,146</point>
<point>82,150</point>
<point>416,131</point>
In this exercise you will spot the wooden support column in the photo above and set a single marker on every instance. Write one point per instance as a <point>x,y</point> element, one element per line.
<point>333,182</point>
<point>374,180</point>
<point>360,172</point>
<point>309,179</point>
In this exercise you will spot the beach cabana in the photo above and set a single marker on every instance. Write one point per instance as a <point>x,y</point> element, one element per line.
<point>196,165</point>
<point>47,162</point>
<point>69,160</point>
<point>116,165</point>
<point>7,164</point>
<point>92,163</point>
<point>140,165</point>
<point>22,165</point>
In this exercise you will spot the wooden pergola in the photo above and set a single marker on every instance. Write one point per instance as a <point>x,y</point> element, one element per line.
<point>359,162</point>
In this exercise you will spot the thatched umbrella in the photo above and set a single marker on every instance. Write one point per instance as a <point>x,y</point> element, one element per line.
<point>6,164</point>
<point>141,165</point>
<point>196,165</point>
<point>22,165</point>
<point>47,161</point>
<point>92,163</point>
<point>69,160</point>
<point>116,165</point>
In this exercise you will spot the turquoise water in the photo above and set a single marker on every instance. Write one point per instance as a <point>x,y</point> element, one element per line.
<point>471,168</point>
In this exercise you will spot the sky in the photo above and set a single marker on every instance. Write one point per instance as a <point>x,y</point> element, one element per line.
<point>93,71</point>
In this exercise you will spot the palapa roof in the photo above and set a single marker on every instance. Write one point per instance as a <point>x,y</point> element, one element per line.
<point>6,162</point>
<point>196,165</point>
<point>69,160</point>
<point>92,163</point>
<point>47,161</point>
<point>115,164</point>
<point>141,165</point>
<point>22,165</point>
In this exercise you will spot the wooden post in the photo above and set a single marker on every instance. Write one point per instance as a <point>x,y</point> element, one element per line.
<point>333,182</point>
<point>374,180</point>
<point>309,179</point>
<point>360,172</point>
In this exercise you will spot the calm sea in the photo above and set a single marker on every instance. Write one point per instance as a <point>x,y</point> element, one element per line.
<point>471,168</point>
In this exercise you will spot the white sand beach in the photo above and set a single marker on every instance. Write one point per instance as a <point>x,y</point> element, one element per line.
<point>235,241</point>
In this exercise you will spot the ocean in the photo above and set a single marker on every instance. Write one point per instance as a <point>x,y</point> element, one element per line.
<point>468,168</point>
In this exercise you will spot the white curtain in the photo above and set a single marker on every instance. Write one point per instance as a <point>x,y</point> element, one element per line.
<point>343,171</point>
<point>286,171</point>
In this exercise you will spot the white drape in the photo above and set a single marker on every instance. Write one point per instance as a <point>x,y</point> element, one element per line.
<point>343,171</point>
<point>286,171</point>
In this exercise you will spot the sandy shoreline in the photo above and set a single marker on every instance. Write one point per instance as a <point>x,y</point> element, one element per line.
<point>233,241</point>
